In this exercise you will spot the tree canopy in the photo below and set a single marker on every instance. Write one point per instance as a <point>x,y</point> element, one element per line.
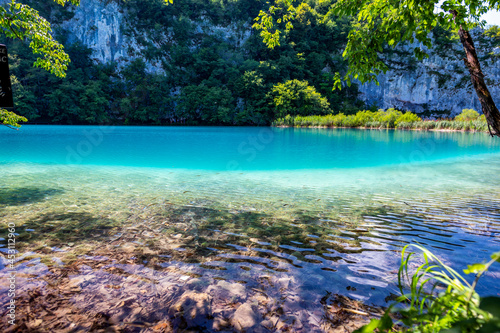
<point>377,23</point>
<point>20,21</point>
<point>202,76</point>
<point>381,23</point>
<point>210,78</point>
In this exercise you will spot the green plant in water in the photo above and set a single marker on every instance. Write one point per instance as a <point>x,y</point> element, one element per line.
<point>425,309</point>
<point>391,118</point>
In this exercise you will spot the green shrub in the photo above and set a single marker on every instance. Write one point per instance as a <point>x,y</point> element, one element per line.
<point>467,115</point>
<point>426,125</point>
<point>405,125</point>
<point>444,124</point>
<point>363,117</point>
<point>375,124</point>
<point>440,298</point>
<point>389,117</point>
<point>480,124</point>
<point>407,117</point>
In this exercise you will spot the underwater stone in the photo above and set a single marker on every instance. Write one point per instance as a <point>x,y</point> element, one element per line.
<point>233,292</point>
<point>245,319</point>
<point>196,284</point>
<point>195,308</point>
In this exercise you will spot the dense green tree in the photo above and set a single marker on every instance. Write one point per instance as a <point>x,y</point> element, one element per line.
<point>198,48</point>
<point>296,97</point>
<point>194,57</point>
<point>381,22</point>
<point>20,21</point>
<point>205,104</point>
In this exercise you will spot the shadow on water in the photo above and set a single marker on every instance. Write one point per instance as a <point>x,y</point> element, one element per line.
<point>56,229</point>
<point>191,267</point>
<point>25,195</point>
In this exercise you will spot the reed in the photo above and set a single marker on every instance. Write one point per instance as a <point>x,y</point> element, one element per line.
<point>468,120</point>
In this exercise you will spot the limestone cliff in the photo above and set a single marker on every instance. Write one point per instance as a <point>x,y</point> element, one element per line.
<point>438,83</point>
<point>97,24</point>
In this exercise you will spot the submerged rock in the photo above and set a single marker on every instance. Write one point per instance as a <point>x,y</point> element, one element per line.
<point>245,319</point>
<point>193,309</point>
<point>228,292</point>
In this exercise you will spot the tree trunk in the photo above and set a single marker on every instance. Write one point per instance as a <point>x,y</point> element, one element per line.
<point>477,77</point>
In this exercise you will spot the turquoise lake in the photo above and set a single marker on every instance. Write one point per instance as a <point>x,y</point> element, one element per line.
<point>367,193</point>
<point>237,148</point>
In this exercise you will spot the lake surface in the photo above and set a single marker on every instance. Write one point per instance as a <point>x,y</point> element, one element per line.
<point>346,200</point>
<point>237,148</point>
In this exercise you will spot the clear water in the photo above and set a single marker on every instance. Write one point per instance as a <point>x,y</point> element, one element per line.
<point>237,148</point>
<point>349,199</point>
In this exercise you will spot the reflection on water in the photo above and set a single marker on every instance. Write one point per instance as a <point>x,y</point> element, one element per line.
<point>238,148</point>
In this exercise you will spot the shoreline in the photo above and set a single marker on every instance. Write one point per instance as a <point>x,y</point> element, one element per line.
<point>380,129</point>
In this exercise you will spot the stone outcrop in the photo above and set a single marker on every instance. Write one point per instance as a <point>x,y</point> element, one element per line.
<point>438,83</point>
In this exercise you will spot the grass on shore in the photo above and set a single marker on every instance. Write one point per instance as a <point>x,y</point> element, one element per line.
<point>468,120</point>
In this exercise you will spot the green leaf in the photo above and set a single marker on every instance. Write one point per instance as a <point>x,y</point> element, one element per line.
<point>474,268</point>
<point>385,322</point>
<point>368,328</point>
<point>9,118</point>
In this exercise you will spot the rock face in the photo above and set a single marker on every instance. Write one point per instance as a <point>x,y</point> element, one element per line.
<point>98,25</point>
<point>439,83</point>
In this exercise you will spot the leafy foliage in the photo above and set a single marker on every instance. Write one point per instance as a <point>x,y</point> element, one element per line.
<point>9,118</point>
<point>494,33</point>
<point>22,22</point>
<point>440,299</point>
<point>205,75</point>
<point>389,118</point>
<point>383,119</point>
<point>378,22</point>
<point>196,57</point>
<point>467,115</point>
<point>297,97</point>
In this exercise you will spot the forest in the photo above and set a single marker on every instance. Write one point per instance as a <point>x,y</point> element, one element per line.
<point>201,78</point>
<point>205,79</point>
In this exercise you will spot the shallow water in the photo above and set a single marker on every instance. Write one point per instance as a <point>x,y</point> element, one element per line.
<point>345,201</point>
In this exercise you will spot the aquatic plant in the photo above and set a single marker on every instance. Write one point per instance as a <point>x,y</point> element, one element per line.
<point>439,298</point>
<point>390,118</point>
